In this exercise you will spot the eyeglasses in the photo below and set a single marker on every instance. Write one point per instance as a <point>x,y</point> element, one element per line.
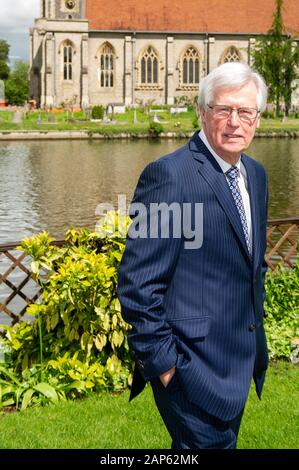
<point>248,115</point>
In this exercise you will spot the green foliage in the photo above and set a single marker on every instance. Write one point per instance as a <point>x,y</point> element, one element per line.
<point>78,325</point>
<point>4,52</point>
<point>97,112</point>
<point>165,107</point>
<point>294,115</point>
<point>63,378</point>
<point>195,122</point>
<point>276,57</point>
<point>184,100</point>
<point>268,114</point>
<point>17,85</point>
<point>155,129</point>
<point>282,311</point>
<point>26,389</point>
<point>78,378</point>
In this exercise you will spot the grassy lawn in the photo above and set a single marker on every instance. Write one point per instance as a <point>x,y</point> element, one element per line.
<point>278,124</point>
<point>182,122</point>
<point>124,122</point>
<point>110,422</point>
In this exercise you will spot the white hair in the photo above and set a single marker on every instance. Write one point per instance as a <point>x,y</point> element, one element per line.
<point>232,75</point>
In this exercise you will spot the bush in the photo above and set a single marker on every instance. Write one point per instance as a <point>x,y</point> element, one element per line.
<point>282,311</point>
<point>268,114</point>
<point>155,129</point>
<point>77,339</point>
<point>166,107</point>
<point>293,115</point>
<point>98,112</point>
<point>195,122</point>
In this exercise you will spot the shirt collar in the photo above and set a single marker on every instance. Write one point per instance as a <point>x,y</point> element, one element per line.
<point>222,163</point>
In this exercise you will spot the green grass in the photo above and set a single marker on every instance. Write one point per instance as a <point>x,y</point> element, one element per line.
<point>291,124</point>
<point>111,422</point>
<point>180,123</point>
<point>5,117</point>
<point>125,122</point>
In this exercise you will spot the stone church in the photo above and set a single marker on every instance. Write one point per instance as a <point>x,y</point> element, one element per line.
<point>92,52</point>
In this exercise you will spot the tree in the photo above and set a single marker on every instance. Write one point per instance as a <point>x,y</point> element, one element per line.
<point>276,57</point>
<point>17,86</point>
<point>291,54</point>
<point>4,51</point>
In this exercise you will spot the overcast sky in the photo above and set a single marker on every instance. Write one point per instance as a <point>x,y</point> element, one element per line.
<point>16,17</point>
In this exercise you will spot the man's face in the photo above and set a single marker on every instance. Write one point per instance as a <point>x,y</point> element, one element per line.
<point>230,136</point>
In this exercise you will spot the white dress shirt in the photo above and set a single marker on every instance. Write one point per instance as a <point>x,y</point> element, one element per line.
<point>242,181</point>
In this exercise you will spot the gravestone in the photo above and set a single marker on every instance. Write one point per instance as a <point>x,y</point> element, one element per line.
<point>17,117</point>
<point>155,119</point>
<point>2,93</point>
<point>51,118</point>
<point>105,119</point>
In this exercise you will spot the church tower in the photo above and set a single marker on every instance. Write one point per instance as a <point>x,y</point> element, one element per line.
<point>59,54</point>
<point>62,9</point>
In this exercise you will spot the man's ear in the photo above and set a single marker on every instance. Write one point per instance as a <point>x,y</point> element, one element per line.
<point>202,114</point>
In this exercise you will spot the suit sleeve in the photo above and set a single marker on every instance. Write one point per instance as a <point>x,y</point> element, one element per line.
<point>146,269</point>
<point>265,265</point>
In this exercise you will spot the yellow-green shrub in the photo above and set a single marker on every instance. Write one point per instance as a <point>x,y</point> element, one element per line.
<point>80,312</point>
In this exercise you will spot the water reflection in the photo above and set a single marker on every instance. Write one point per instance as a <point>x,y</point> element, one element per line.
<point>54,185</point>
<point>280,157</point>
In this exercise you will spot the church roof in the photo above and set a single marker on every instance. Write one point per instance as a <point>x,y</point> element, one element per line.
<point>213,16</point>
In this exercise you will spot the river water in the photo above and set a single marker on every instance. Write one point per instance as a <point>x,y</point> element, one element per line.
<point>52,185</point>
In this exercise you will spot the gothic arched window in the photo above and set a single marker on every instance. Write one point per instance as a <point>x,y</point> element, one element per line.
<point>190,67</point>
<point>106,66</point>
<point>67,60</point>
<point>231,54</point>
<point>149,67</point>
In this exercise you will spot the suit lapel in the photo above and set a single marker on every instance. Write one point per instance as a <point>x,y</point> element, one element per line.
<point>212,173</point>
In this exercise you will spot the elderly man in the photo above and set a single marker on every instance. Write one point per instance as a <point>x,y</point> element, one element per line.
<point>197,311</point>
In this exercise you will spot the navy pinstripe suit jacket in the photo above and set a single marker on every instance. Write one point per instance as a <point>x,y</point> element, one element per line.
<point>200,310</point>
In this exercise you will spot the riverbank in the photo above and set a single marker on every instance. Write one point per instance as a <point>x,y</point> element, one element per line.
<point>59,126</point>
<point>108,134</point>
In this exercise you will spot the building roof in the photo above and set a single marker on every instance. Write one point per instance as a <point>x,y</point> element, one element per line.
<point>212,16</point>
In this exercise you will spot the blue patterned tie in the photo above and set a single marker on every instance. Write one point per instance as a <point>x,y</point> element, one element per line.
<point>232,176</point>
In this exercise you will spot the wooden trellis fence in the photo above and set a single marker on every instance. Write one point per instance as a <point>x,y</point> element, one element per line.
<point>18,288</point>
<point>282,242</point>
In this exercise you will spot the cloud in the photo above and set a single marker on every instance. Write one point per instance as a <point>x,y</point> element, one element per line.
<point>17,16</point>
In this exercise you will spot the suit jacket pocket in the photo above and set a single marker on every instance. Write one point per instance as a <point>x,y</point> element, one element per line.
<point>174,383</point>
<point>192,329</point>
